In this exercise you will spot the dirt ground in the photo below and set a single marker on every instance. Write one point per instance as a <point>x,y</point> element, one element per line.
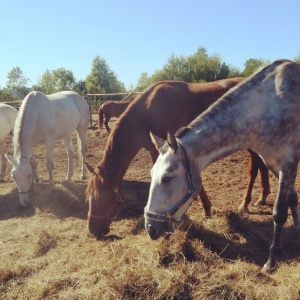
<point>47,253</point>
<point>225,181</point>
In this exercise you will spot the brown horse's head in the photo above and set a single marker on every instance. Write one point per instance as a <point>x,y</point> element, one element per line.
<point>104,201</point>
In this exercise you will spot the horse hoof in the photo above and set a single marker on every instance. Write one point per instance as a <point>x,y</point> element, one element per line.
<point>243,210</point>
<point>267,268</point>
<point>260,202</point>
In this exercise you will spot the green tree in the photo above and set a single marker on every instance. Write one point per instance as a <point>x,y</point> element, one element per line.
<point>64,80</point>
<point>17,82</point>
<point>102,79</point>
<point>7,96</point>
<point>144,81</point>
<point>46,83</point>
<point>251,65</point>
<point>199,67</point>
<point>297,58</point>
<point>54,81</point>
<point>80,87</point>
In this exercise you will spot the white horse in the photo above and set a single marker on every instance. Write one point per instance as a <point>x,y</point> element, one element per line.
<point>42,119</point>
<point>8,115</point>
<point>262,113</point>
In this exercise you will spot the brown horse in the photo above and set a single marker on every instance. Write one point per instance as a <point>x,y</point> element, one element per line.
<point>165,106</point>
<point>110,109</point>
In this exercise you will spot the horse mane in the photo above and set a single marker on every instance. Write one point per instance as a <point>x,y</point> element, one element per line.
<point>93,185</point>
<point>231,97</point>
<point>116,135</point>
<point>18,130</point>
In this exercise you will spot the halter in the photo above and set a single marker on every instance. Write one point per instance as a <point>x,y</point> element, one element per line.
<point>31,186</point>
<point>184,203</point>
<point>28,191</point>
<point>112,212</point>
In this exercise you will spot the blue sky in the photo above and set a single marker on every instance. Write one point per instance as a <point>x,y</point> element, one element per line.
<point>137,36</point>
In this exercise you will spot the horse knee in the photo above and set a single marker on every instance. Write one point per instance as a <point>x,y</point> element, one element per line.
<point>50,165</point>
<point>252,172</point>
<point>280,216</point>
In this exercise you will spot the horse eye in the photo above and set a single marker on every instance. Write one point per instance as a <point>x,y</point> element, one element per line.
<point>166,179</point>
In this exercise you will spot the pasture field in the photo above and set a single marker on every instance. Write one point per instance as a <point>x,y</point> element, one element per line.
<point>46,252</point>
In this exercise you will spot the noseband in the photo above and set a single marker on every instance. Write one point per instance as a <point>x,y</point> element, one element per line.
<point>112,212</point>
<point>28,191</point>
<point>184,203</point>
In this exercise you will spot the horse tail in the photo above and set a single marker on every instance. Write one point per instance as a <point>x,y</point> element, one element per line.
<point>100,117</point>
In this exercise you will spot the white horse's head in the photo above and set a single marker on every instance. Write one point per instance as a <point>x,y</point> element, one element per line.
<point>23,176</point>
<point>172,189</point>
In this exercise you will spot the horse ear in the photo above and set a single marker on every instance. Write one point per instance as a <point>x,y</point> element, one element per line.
<point>11,160</point>
<point>157,141</point>
<point>89,168</point>
<point>171,139</point>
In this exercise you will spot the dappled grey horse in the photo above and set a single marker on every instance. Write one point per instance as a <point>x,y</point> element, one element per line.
<point>262,113</point>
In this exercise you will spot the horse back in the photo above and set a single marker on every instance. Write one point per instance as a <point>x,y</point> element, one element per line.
<point>176,104</point>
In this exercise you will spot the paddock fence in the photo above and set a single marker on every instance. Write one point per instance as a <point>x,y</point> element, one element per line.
<point>95,100</point>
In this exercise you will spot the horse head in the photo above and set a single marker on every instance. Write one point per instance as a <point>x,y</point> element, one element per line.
<point>172,188</point>
<point>104,201</point>
<point>22,174</point>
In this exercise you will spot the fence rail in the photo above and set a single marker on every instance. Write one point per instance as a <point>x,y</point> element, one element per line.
<point>95,100</point>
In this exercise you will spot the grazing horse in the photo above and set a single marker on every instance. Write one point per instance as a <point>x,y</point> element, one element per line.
<point>42,119</point>
<point>8,116</point>
<point>262,113</point>
<point>165,106</point>
<point>110,109</point>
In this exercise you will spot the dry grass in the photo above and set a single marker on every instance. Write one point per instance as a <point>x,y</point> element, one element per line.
<point>46,252</point>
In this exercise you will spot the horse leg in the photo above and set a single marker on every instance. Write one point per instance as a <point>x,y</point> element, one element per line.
<point>107,118</point>
<point>3,161</point>
<point>34,169</point>
<point>205,202</point>
<point>70,152</point>
<point>286,197</point>
<point>264,181</point>
<point>81,142</point>
<point>294,206</point>
<point>49,163</point>
<point>252,174</point>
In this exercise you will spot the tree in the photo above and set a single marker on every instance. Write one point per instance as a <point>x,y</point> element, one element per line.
<point>80,87</point>
<point>17,82</point>
<point>45,84</point>
<point>64,80</point>
<point>7,96</point>
<point>199,67</point>
<point>54,81</point>
<point>144,81</point>
<point>251,65</point>
<point>102,79</point>
<point>297,58</point>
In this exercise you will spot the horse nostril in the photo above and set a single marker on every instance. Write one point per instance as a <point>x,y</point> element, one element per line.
<point>151,231</point>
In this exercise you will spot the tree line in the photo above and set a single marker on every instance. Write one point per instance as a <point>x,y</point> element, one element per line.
<point>198,67</point>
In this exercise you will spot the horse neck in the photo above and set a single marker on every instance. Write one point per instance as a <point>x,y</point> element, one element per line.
<point>24,128</point>
<point>122,147</point>
<point>222,130</point>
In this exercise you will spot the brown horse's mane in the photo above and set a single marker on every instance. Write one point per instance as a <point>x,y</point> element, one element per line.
<point>93,185</point>
<point>124,126</point>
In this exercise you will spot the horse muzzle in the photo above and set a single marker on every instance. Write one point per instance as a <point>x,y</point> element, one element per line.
<point>98,229</point>
<point>157,229</point>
